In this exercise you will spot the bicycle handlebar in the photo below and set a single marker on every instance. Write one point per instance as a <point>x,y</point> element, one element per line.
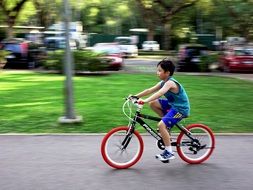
<point>134,100</point>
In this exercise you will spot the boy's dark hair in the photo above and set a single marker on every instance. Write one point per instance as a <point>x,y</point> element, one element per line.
<point>167,65</point>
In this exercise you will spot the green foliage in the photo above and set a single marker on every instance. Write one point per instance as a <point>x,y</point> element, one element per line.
<point>83,61</point>
<point>54,60</point>
<point>2,33</point>
<point>207,60</point>
<point>28,11</point>
<point>98,16</point>
<point>89,61</point>
<point>3,54</point>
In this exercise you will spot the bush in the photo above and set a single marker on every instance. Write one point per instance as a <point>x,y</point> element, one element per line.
<point>207,60</point>
<point>82,61</point>
<point>3,60</point>
<point>89,61</point>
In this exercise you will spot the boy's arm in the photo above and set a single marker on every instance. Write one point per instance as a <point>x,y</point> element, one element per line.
<point>167,86</point>
<point>149,90</point>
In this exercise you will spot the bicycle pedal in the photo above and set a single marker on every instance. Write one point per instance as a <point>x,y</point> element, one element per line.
<point>166,161</point>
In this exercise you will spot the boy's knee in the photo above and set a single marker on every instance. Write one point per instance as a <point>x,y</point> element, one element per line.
<point>161,125</point>
<point>152,104</point>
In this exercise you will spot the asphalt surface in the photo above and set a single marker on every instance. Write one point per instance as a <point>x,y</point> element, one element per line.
<point>74,162</point>
<point>148,65</point>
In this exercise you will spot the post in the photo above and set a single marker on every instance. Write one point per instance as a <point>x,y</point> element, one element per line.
<point>68,70</point>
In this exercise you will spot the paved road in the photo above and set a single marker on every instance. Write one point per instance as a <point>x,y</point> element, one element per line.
<point>149,66</point>
<point>140,65</point>
<point>73,162</point>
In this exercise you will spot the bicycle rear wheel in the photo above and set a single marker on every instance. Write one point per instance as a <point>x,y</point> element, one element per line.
<point>198,150</point>
<point>115,154</point>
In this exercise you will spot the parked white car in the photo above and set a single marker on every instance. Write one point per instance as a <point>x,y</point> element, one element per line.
<point>58,42</point>
<point>127,48</point>
<point>150,46</point>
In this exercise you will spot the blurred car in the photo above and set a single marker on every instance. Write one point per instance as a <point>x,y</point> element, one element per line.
<point>58,42</point>
<point>23,54</point>
<point>189,57</point>
<point>112,52</point>
<point>237,59</point>
<point>127,48</point>
<point>150,46</point>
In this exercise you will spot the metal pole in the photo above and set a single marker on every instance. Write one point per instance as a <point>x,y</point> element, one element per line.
<point>68,88</point>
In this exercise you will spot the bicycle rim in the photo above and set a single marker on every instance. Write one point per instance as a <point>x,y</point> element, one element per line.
<point>186,149</point>
<point>111,148</point>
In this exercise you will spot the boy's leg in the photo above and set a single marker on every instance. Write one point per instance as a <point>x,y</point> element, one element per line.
<point>167,122</point>
<point>167,153</point>
<point>156,107</point>
<point>164,133</point>
<point>160,106</point>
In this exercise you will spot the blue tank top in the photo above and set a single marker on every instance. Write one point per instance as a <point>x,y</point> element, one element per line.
<point>179,101</point>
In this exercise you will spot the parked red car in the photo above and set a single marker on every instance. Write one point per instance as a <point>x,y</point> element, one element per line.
<point>238,59</point>
<point>111,52</point>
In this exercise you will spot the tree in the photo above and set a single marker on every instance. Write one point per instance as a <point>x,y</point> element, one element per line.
<point>104,16</point>
<point>48,11</point>
<point>149,16</point>
<point>235,17</point>
<point>11,12</point>
<point>162,12</point>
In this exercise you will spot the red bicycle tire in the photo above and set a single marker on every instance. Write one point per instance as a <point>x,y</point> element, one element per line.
<point>105,156</point>
<point>195,161</point>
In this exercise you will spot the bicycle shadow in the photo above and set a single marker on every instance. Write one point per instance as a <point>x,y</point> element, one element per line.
<point>114,171</point>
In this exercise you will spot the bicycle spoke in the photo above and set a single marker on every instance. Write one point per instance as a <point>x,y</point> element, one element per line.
<point>121,155</point>
<point>199,147</point>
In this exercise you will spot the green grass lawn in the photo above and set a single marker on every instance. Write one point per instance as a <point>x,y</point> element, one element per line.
<point>33,102</point>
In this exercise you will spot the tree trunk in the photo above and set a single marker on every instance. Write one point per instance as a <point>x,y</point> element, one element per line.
<point>150,36</point>
<point>167,37</point>
<point>9,29</point>
<point>11,14</point>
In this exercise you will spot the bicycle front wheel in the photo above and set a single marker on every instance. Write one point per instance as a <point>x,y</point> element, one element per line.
<point>120,150</point>
<point>198,150</point>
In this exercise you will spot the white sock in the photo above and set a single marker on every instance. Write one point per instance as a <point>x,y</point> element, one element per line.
<point>169,148</point>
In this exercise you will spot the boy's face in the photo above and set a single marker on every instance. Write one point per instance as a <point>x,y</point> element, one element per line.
<point>162,74</point>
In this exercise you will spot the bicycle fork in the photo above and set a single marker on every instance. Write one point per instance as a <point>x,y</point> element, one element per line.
<point>129,135</point>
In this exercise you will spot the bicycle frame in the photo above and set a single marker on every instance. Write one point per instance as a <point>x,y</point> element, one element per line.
<point>138,119</point>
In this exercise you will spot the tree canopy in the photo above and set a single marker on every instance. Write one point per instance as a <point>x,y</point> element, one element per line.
<point>169,18</point>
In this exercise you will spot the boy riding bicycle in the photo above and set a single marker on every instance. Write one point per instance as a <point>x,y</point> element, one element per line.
<point>172,109</point>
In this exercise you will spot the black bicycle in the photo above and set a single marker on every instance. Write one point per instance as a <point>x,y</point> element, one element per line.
<point>122,147</point>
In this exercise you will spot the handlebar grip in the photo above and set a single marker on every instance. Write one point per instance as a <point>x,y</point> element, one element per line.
<point>141,102</point>
<point>131,97</point>
<point>135,97</point>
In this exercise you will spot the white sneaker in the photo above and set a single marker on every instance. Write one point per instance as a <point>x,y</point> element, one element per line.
<point>165,156</point>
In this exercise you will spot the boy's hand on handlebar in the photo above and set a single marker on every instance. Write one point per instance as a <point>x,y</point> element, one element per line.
<point>140,101</point>
<point>136,100</point>
<point>133,97</point>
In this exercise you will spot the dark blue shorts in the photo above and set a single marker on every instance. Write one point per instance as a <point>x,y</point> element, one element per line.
<point>170,115</point>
